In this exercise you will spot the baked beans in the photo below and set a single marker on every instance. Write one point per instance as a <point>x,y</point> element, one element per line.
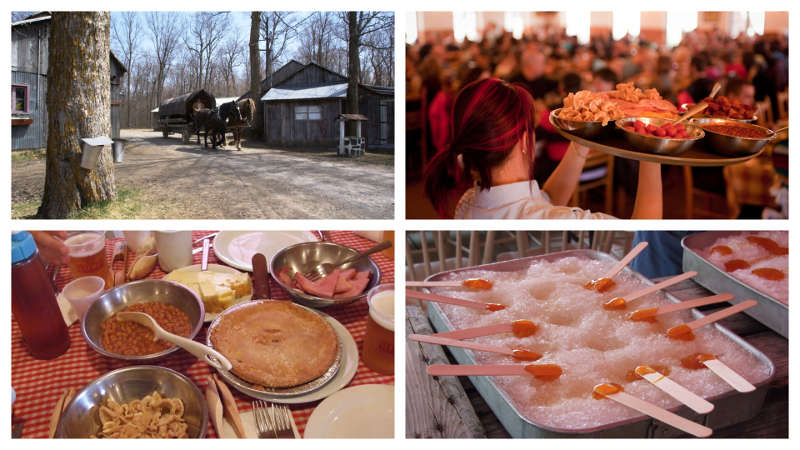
<point>737,130</point>
<point>130,338</point>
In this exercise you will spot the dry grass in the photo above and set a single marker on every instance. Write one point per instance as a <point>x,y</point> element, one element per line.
<point>28,155</point>
<point>130,204</point>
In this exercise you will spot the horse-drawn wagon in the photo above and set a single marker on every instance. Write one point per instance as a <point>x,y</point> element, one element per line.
<point>175,115</point>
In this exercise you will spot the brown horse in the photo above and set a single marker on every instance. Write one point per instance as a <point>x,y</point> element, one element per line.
<point>247,110</point>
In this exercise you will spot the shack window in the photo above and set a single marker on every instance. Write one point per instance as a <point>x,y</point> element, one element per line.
<point>308,112</point>
<point>19,98</point>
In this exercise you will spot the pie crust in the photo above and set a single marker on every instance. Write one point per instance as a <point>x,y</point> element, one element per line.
<point>276,343</point>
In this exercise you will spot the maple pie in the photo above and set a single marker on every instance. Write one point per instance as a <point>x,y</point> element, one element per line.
<point>276,343</point>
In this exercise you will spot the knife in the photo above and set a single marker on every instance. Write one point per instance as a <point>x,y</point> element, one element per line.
<point>260,277</point>
<point>231,410</point>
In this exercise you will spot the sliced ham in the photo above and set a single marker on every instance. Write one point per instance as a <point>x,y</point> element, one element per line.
<point>322,288</point>
<point>358,284</point>
<point>348,274</point>
<point>284,276</point>
<point>342,284</point>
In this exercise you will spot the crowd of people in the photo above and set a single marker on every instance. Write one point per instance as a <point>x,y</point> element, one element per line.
<point>551,66</point>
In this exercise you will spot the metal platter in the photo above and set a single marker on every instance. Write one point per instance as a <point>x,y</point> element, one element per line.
<point>612,142</point>
<point>276,394</point>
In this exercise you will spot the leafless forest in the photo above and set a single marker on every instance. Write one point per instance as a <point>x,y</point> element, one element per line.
<point>169,53</point>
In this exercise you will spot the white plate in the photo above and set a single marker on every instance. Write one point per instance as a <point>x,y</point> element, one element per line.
<point>236,248</point>
<point>365,411</point>
<point>220,269</point>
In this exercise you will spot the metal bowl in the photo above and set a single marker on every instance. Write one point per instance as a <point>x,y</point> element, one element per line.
<point>684,107</point>
<point>81,417</point>
<point>305,256</point>
<point>142,291</point>
<point>733,145</point>
<point>586,130</point>
<point>655,144</point>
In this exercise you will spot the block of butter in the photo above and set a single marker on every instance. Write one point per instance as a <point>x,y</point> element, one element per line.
<point>218,290</point>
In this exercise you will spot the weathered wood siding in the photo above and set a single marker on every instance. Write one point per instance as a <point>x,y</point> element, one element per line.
<point>35,134</point>
<point>379,128</point>
<point>282,129</point>
<point>312,75</point>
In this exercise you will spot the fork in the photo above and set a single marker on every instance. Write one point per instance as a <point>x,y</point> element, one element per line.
<point>283,422</point>
<point>264,420</point>
<point>323,269</point>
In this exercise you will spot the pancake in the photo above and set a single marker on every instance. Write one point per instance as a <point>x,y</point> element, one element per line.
<point>276,344</point>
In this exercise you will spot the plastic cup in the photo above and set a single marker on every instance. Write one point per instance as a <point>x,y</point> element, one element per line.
<point>378,352</point>
<point>82,292</point>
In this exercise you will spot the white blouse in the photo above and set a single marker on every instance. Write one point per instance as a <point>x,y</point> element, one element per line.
<point>521,200</point>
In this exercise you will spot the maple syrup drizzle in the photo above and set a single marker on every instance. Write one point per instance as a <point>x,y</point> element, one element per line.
<point>600,285</point>
<point>695,360</point>
<point>768,245</point>
<point>640,371</point>
<point>644,315</point>
<point>524,354</point>
<point>523,328</point>
<point>723,250</point>
<point>736,264</point>
<point>603,389</point>
<point>478,284</point>
<point>681,332</point>
<point>495,307</point>
<point>544,372</point>
<point>615,304</point>
<point>769,273</point>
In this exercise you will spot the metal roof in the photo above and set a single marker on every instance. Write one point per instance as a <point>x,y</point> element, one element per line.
<point>331,91</point>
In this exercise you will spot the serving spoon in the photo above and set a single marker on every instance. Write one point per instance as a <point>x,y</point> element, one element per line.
<point>700,106</point>
<point>214,358</point>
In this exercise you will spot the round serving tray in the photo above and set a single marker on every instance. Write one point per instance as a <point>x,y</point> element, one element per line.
<point>274,394</point>
<point>614,143</point>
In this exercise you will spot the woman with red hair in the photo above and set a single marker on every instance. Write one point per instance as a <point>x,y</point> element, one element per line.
<point>491,156</point>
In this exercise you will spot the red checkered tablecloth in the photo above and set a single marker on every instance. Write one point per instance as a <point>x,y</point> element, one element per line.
<point>39,384</point>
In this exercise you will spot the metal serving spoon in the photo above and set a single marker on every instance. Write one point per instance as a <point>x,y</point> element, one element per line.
<point>323,269</point>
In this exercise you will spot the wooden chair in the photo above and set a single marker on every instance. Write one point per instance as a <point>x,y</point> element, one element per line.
<point>783,105</point>
<point>764,115</point>
<point>700,203</point>
<point>605,180</point>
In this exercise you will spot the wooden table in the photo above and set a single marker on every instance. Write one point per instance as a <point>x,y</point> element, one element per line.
<point>450,407</point>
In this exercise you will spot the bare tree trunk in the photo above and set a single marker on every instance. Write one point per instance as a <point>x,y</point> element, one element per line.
<point>353,66</point>
<point>78,105</point>
<point>255,70</point>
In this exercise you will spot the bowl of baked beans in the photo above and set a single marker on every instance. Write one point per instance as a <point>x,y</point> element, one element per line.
<point>176,308</point>
<point>734,138</point>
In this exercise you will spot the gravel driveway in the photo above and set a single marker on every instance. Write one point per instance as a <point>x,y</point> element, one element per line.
<point>254,183</point>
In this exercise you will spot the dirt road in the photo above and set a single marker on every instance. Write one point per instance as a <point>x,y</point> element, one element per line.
<point>254,183</point>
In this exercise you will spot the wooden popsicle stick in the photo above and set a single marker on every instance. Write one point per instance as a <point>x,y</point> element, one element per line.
<point>676,391</point>
<point>694,303</point>
<point>658,286</point>
<point>214,406</point>
<point>721,314</point>
<point>452,301</point>
<point>55,417</point>
<point>661,414</point>
<point>468,333</point>
<point>726,373</point>
<point>466,370</point>
<point>470,345</point>
<point>625,260</point>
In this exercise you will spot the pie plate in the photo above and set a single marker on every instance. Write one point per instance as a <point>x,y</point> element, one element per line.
<point>365,411</point>
<point>336,377</point>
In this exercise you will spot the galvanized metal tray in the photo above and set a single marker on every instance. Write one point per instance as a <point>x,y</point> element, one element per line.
<point>769,311</point>
<point>614,143</point>
<point>730,408</point>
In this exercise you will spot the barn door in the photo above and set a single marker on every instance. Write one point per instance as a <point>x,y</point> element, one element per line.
<point>383,122</point>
